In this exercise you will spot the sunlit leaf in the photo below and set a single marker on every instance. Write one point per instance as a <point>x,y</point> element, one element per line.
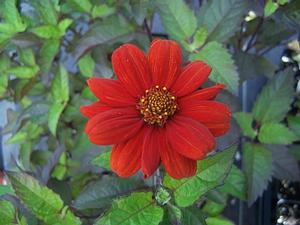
<point>211,173</point>
<point>245,121</point>
<point>87,65</point>
<point>137,208</point>
<point>7,213</point>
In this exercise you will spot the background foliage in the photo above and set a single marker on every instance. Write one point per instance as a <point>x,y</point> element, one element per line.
<point>48,48</point>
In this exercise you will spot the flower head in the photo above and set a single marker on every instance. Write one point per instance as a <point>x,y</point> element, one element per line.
<point>155,112</point>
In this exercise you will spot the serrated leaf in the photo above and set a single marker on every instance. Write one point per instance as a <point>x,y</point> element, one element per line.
<point>223,71</point>
<point>222,18</point>
<point>43,202</point>
<point>101,193</point>
<point>211,173</point>
<point>192,216</point>
<point>274,101</point>
<point>245,121</point>
<point>137,208</point>
<point>47,11</point>
<point>86,65</point>
<point>285,166</point>
<point>107,31</point>
<point>178,19</point>
<point>218,221</point>
<point>235,183</point>
<point>23,71</point>
<point>258,169</point>
<point>7,213</point>
<point>276,133</point>
<point>102,160</point>
<point>48,51</point>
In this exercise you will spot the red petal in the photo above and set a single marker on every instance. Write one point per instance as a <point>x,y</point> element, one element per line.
<point>92,110</point>
<point>205,93</point>
<point>132,69</point>
<point>165,62</point>
<point>214,115</point>
<point>114,126</point>
<point>175,164</point>
<point>191,78</point>
<point>151,151</point>
<point>189,137</point>
<point>125,158</point>
<point>110,92</point>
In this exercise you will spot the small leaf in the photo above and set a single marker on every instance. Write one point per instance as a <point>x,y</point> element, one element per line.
<point>6,189</point>
<point>294,124</point>
<point>178,19</point>
<point>102,10</point>
<point>274,101</point>
<point>212,208</point>
<point>87,65</point>
<point>47,53</point>
<point>82,5</point>
<point>43,202</point>
<point>285,166</point>
<point>23,71</point>
<point>245,121</point>
<point>270,8</point>
<point>223,71</point>
<point>47,11</point>
<point>46,31</point>
<point>199,38</point>
<point>63,25</point>
<point>222,18</point>
<point>211,173</point>
<point>7,213</point>
<point>102,160</point>
<point>258,169</point>
<point>276,133</point>
<point>218,221</point>
<point>27,56</point>
<point>137,208</point>
<point>100,194</point>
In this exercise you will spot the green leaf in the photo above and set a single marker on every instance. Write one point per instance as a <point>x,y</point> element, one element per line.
<point>87,65</point>
<point>222,18</point>
<point>63,25</point>
<point>100,194</point>
<point>218,221</point>
<point>223,71</point>
<point>235,183</point>
<point>60,96</point>
<point>47,53</point>
<point>198,39</point>
<point>110,30</point>
<point>47,31</point>
<point>294,124</point>
<point>43,202</point>
<point>7,213</point>
<point>285,166</point>
<point>270,8</point>
<point>6,189</point>
<point>295,151</point>
<point>137,208</point>
<point>23,71</point>
<point>192,216</point>
<point>102,160</point>
<point>276,133</point>
<point>274,101</point>
<point>245,121</point>
<point>140,8</point>
<point>11,16</point>
<point>102,10</point>
<point>211,173</point>
<point>212,208</point>
<point>258,169</point>
<point>27,56</point>
<point>178,19</point>
<point>46,10</point>
<point>82,5</point>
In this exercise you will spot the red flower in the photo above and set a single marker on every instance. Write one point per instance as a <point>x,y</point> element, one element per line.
<point>154,112</point>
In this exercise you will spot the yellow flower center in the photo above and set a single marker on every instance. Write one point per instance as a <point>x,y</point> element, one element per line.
<point>157,105</point>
